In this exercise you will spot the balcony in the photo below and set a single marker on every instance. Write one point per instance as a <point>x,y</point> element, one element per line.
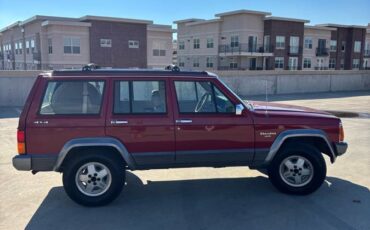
<point>245,49</point>
<point>294,50</point>
<point>366,53</point>
<point>322,52</point>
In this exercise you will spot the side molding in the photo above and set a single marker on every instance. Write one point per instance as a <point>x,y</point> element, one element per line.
<point>94,141</point>
<point>298,133</point>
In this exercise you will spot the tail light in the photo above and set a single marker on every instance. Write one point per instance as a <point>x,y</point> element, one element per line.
<point>341,132</point>
<point>21,142</point>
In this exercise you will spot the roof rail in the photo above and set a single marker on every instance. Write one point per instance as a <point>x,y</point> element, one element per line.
<point>173,68</point>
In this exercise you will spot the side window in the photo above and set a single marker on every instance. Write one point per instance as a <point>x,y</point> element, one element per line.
<point>201,97</point>
<point>140,97</point>
<point>72,97</point>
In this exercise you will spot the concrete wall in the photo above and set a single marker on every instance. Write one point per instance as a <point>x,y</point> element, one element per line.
<point>15,85</point>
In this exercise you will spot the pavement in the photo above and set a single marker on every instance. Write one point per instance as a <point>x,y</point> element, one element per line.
<point>200,198</point>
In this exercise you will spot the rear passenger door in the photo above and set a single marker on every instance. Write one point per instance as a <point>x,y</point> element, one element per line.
<point>139,116</point>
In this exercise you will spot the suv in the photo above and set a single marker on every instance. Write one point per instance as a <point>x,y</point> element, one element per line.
<point>93,124</point>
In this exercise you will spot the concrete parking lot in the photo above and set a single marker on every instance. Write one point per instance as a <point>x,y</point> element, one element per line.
<point>200,198</point>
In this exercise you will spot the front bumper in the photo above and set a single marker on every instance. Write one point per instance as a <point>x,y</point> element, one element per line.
<point>341,148</point>
<point>35,162</point>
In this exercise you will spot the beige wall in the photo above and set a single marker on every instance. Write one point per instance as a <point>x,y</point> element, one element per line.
<point>315,34</point>
<point>159,39</point>
<point>58,58</point>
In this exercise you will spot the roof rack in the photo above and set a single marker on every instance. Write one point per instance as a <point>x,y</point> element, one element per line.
<point>95,70</point>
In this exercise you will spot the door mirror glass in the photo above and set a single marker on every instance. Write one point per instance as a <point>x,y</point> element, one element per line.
<point>239,109</point>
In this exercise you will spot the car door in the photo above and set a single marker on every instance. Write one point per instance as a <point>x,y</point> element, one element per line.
<point>207,129</point>
<point>139,116</point>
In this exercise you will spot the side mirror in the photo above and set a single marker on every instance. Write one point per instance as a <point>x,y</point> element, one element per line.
<point>239,109</point>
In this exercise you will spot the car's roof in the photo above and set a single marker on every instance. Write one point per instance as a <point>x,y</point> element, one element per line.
<point>128,72</point>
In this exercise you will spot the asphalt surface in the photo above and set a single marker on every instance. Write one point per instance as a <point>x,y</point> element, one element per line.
<point>200,198</point>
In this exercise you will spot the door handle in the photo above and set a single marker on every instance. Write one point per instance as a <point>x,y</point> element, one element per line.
<point>184,121</point>
<point>41,122</point>
<point>117,122</point>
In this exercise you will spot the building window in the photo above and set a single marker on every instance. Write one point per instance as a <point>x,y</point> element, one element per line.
<point>32,46</point>
<point>280,42</point>
<point>196,43</point>
<point>196,62</point>
<point>343,48</point>
<point>20,48</point>
<point>159,48</point>
<point>333,45</point>
<point>50,45</point>
<point>105,42</point>
<point>342,63</point>
<point>133,44</point>
<point>234,42</point>
<point>332,63</point>
<point>308,43</point>
<point>293,63</point>
<point>357,47</point>
<point>181,45</point>
<point>181,62</point>
<point>27,47</point>
<point>71,45</point>
<point>279,62</point>
<point>16,48</point>
<point>294,45</point>
<point>356,64</point>
<point>209,42</point>
<point>307,63</point>
<point>209,62</point>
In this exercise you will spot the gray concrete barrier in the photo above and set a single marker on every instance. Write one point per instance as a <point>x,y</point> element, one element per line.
<point>15,85</point>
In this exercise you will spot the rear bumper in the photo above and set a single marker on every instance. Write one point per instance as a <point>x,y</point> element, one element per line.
<point>29,162</point>
<point>341,148</point>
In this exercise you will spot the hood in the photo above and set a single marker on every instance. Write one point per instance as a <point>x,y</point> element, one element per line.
<point>277,107</point>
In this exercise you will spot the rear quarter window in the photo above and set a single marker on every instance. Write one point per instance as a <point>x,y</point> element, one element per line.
<point>72,98</point>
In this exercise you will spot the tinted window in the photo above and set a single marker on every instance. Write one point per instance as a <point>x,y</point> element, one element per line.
<point>140,97</point>
<point>72,97</point>
<point>201,97</point>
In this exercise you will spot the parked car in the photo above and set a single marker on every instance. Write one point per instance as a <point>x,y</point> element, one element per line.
<point>92,125</point>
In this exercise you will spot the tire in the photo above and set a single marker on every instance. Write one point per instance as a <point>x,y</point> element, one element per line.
<point>86,186</point>
<point>289,175</point>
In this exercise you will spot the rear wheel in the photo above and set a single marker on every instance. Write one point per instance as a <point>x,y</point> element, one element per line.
<point>93,179</point>
<point>298,169</point>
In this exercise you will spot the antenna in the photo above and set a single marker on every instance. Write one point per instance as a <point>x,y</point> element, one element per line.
<point>266,97</point>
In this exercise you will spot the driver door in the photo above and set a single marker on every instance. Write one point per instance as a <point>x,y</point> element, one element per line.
<point>207,130</point>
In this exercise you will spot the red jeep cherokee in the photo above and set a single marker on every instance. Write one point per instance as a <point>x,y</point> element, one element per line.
<point>95,123</point>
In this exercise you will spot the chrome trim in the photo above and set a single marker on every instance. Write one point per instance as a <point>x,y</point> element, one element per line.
<point>117,122</point>
<point>298,133</point>
<point>94,141</point>
<point>184,121</point>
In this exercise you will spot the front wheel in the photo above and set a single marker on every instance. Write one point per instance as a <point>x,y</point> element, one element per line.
<point>93,179</point>
<point>298,169</point>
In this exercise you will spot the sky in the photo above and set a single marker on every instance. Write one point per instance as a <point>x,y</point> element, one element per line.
<point>352,12</point>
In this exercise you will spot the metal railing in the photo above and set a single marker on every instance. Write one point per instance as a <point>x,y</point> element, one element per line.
<point>245,47</point>
<point>322,51</point>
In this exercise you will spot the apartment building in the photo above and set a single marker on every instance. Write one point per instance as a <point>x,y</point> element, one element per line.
<point>317,45</point>
<point>366,63</point>
<point>160,48</point>
<point>347,46</point>
<point>45,42</point>
<point>285,36</point>
<point>233,40</point>
<point>253,40</point>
